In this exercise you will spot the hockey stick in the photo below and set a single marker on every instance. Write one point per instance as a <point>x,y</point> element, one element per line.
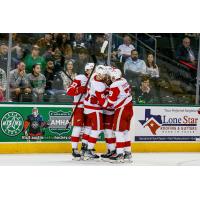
<point>81,94</point>
<point>68,76</point>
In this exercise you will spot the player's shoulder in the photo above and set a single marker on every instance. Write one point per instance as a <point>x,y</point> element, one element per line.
<point>118,82</point>
<point>98,85</point>
<point>123,80</point>
<point>80,77</point>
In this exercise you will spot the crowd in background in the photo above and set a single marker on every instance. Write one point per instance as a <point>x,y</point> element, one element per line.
<point>44,65</point>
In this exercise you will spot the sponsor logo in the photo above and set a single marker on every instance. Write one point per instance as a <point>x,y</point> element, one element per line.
<point>58,122</point>
<point>154,122</point>
<point>164,122</point>
<point>12,123</point>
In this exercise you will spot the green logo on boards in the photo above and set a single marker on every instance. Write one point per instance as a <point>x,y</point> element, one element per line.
<point>58,121</point>
<point>12,123</point>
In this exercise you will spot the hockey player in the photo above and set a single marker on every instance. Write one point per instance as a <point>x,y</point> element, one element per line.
<point>76,89</point>
<point>94,101</point>
<point>120,97</point>
<point>108,115</point>
<point>34,125</point>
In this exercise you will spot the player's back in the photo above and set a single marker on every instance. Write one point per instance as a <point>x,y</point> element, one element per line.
<point>120,92</point>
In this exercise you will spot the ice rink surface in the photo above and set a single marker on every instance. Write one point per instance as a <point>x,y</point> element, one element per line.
<point>139,159</point>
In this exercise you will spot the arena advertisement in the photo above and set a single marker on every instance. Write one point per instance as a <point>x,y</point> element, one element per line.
<point>47,123</point>
<point>166,123</point>
<point>35,123</point>
<point>29,123</point>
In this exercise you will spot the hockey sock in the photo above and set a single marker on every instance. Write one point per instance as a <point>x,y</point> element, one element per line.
<point>127,144</point>
<point>110,139</point>
<point>75,136</point>
<point>93,139</point>
<point>86,133</point>
<point>119,141</point>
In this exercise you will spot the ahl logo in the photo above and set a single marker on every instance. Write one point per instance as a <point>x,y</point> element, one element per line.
<point>58,121</point>
<point>12,123</point>
<point>154,122</point>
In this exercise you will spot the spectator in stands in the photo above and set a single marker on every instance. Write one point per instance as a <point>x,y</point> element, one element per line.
<point>145,94</point>
<point>68,52</point>
<point>19,50</point>
<point>48,54</point>
<point>62,41</point>
<point>124,50</point>
<point>185,54</point>
<point>57,83</point>
<point>37,83</point>
<point>152,68</point>
<point>68,74</point>
<point>134,64</point>
<point>3,83</point>
<point>58,60</point>
<point>134,69</point>
<point>3,56</point>
<point>49,75</point>
<point>153,72</point>
<point>45,42</point>
<point>66,38</point>
<point>18,53</point>
<point>79,41</point>
<point>83,58</point>
<point>99,41</point>
<point>100,59</point>
<point>34,58</point>
<point>19,83</point>
<point>54,84</point>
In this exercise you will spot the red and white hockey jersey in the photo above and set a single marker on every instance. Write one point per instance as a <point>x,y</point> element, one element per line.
<point>119,94</point>
<point>77,88</point>
<point>96,90</point>
<point>109,110</point>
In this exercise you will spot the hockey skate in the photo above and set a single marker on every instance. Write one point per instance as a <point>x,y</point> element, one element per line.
<point>128,157</point>
<point>90,155</point>
<point>76,155</point>
<point>83,150</point>
<point>117,158</point>
<point>106,156</point>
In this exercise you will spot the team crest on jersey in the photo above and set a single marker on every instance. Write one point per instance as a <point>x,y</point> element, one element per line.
<point>12,123</point>
<point>58,121</point>
<point>35,125</point>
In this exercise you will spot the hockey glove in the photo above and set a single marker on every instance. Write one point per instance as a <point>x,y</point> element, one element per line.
<point>81,90</point>
<point>93,100</point>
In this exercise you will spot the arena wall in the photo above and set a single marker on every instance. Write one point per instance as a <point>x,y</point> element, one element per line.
<point>153,129</point>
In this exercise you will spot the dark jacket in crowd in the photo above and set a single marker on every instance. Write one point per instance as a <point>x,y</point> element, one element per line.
<point>49,79</point>
<point>182,53</point>
<point>144,97</point>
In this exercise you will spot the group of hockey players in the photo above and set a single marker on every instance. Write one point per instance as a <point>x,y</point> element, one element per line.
<point>103,104</point>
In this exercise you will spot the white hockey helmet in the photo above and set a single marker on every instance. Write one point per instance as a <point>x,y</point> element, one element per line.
<point>109,70</point>
<point>101,70</point>
<point>116,74</point>
<point>89,66</point>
